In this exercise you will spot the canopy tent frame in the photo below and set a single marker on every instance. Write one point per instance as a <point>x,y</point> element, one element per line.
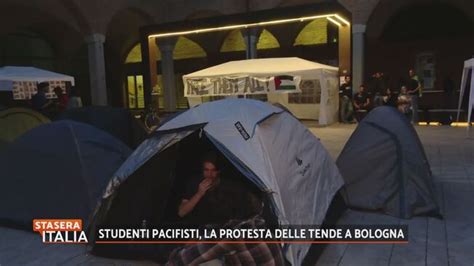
<point>22,80</point>
<point>257,76</point>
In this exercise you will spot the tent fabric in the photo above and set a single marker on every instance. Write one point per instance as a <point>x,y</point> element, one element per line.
<point>9,74</point>
<point>322,77</point>
<point>118,122</point>
<point>57,170</point>
<point>267,145</point>
<point>385,167</point>
<point>16,121</point>
<point>468,67</point>
<point>263,67</point>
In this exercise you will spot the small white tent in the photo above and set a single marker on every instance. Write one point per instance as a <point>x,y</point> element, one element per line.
<point>468,67</point>
<point>317,85</point>
<point>22,81</point>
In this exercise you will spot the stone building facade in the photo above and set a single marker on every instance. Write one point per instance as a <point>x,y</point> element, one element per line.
<point>92,40</point>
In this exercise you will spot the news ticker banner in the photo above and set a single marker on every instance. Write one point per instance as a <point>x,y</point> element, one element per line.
<point>71,231</point>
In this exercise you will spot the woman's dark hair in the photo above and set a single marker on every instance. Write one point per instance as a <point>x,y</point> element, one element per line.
<point>211,157</point>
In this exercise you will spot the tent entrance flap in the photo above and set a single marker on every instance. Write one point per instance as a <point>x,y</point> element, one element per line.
<point>142,195</point>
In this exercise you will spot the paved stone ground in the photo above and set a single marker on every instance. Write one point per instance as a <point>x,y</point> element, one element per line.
<point>432,241</point>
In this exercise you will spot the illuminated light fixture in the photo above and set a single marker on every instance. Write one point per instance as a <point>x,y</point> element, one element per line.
<point>342,19</point>
<point>435,124</point>
<point>460,124</point>
<point>422,123</point>
<point>334,21</point>
<point>335,18</point>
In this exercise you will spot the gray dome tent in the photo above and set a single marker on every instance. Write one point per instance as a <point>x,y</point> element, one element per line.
<point>268,146</point>
<point>57,170</point>
<point>385,167</point>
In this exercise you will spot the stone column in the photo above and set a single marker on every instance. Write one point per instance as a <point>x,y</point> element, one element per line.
<point>166,47</point>
<point>358,55</point>
<point>95,49</point>
<point>251,40</point>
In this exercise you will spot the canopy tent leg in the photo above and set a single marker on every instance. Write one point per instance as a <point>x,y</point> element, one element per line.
<point>470,104</point>
<point>461,90</point>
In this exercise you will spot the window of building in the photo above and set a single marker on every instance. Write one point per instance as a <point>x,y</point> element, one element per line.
<point>315,32</point>
<point>135,55</point>
<point>185,48</point>
<point>234,42</point>
<point>425,69</point>
<point>267,41</point>
<point>136,99</point>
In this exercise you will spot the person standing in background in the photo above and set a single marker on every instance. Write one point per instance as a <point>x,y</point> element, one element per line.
<point>450,91</point>
<point>390,98</point>
<point>413,87</point>
<point>39,101</point>
<point>379,85</point>
<point>404,103</point>
<point>75,100</point>
<point>361,103</point>
<point>63,99</point>
<point>345,99</point>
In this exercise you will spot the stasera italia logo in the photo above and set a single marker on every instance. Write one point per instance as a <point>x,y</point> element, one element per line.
<point>60,231</point>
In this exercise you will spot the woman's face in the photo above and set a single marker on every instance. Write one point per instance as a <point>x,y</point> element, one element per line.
<point>210,171</point>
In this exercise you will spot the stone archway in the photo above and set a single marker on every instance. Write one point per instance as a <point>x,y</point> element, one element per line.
<point>122,34</point>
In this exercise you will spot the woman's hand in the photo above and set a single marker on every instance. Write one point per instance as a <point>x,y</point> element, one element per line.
<point>204,186</point>
<point>187,206</point>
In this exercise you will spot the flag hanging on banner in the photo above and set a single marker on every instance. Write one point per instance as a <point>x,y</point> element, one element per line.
<point>284,83</point>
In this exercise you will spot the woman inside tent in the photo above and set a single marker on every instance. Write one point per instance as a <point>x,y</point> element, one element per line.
<point>211,198</point>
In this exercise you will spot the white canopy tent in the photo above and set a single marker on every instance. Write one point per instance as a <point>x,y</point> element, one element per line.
<point>22,80</point>
<point>468,67</point>
<point>317,85</point>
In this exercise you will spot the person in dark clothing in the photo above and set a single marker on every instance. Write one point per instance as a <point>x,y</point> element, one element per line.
<point>390,98</point>
<point>210,199</point>
<point>361,103</point>
<point>378,85</point>
<point>449,90</point>
<point>62,101</point>
<point>345,99</point>
<point>413,87</point>
<point>39,101</point>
